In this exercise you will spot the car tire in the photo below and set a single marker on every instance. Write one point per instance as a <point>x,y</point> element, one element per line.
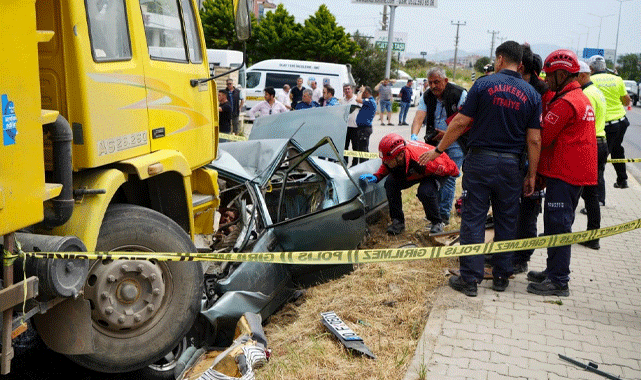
<point>166,300</point>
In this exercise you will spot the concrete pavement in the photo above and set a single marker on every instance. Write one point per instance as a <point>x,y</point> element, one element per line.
<point>518,335</point>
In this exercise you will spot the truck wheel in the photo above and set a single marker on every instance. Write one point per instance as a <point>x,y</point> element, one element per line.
<point>142,309</point>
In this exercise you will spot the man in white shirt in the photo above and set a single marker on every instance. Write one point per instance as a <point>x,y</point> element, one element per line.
<point>352,136</point>
<point>317,93</point>
<point>283,97</point>
<point>269,106</point>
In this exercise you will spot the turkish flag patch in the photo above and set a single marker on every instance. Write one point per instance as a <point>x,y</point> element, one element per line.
<point>551,117</point>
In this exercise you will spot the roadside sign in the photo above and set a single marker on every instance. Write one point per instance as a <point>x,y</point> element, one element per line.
<point>589,52</point>
<point>414,3</point>
<point>398,41</point>
<point>396,46</point>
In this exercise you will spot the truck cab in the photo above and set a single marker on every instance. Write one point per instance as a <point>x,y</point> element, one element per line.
<point>111,117</point>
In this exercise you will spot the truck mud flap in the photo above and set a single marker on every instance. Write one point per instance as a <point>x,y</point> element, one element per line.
<point>72,337</point>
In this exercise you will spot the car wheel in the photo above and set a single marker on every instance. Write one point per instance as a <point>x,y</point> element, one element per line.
<point>164,369</point>
<point>140,310</point>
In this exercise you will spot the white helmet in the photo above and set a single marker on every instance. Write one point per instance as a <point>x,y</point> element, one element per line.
<point>596,58</point>
<point>597,63</point>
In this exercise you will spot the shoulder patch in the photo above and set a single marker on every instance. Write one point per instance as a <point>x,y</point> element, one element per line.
<point>551,117</point>
<point>589,113</point>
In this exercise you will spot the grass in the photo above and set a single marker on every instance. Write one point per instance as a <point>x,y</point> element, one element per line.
<point>387,304</point>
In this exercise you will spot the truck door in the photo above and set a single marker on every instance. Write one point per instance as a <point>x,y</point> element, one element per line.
<point>181,117</point>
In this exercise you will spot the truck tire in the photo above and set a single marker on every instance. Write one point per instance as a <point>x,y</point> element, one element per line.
<point>140,310</point>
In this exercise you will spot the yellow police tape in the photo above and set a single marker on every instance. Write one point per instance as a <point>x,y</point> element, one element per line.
<point>352,153</point>
<point>227,136</point>
<point>357,256</point>
<point>623,160</point>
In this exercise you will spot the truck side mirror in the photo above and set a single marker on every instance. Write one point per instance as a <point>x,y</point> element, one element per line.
<point>242,15</point>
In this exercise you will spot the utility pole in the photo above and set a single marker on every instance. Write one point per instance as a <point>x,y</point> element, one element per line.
<point>390,39</point>
<point>458,24</point>
<point>494,33</point>
<point>616,46</point>
<point>384,23</point>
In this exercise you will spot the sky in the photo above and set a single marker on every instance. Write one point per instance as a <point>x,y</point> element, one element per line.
<point>564,23</point>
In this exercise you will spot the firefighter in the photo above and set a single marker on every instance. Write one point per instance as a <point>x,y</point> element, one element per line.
<point>401,167</point>
<point>568,162</point>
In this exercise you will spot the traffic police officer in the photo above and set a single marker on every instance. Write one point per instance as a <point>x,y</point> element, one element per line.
<point>504,112</point>
<point>616,123</point>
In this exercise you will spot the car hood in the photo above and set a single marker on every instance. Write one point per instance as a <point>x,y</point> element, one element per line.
<point>307,127</point>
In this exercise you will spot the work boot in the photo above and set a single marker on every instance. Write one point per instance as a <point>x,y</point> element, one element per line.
<point>621,184</point>
<point>538,277</point>
<point>584,211</point>
<point>548,288</point>
<point>467,288</point>
<point>520,268</point>
<point>500,284</point>
<point>592,244</point>
<point>437,228</point>
<point>396,227</point>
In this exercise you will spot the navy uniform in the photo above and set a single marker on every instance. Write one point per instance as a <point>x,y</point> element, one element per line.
<point>503,107</point>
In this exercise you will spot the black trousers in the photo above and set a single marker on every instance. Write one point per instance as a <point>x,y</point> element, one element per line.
<point>614,133</point>
<point>427,193</point>
<point>591,194</point>
<point>351,138</point>
<point>362,142</point>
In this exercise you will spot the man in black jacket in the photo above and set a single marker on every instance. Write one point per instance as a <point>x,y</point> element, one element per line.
<point>236,101</point>
<point>438,104</point>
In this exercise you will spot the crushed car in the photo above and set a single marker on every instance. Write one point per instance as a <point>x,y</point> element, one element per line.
<point>284,189</point>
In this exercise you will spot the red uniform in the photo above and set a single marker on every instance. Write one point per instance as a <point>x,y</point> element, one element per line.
<point>442,166</point>
<point>568,142</point>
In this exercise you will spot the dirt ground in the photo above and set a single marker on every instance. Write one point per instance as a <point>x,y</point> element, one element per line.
<point>386,304</point>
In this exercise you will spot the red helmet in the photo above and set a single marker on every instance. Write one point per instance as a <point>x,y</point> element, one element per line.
<point>390,146</point>
<point>561,59</point>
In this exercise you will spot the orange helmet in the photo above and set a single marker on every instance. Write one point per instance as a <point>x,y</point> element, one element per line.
<point>391,145</point>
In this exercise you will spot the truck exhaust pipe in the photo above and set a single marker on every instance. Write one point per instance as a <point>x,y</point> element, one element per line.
<point>61,206</point>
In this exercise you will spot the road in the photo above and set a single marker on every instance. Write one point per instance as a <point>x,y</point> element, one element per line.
<point>632,141</point>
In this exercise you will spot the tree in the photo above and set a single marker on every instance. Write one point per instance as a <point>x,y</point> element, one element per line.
<point>323,40</point>
<point>278,35</point>
<point>480,63</point>
<point>369,62</point>
<point>217,17</point>
<point>629,67</point>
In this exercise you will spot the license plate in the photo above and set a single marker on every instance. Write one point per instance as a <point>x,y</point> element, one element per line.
<point>334,322</point>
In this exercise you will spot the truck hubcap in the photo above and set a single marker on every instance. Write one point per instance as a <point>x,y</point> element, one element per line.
<point>125,295</point>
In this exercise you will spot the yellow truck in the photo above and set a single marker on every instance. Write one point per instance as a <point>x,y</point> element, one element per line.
<point>107,122</point>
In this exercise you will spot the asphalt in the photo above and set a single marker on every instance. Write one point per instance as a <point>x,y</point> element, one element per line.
<point>518,335</point>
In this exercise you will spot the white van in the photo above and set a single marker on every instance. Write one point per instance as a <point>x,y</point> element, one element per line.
<point>278,72</point>
<point>221,60</point>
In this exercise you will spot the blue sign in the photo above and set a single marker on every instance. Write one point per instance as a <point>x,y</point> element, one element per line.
<point>589,52</point>
<point>9,121</point>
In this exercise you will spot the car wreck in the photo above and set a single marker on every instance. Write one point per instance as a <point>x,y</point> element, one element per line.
<point>284,189</point>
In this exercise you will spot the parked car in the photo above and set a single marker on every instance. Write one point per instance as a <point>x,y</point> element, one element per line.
<point>633,90</point>
<point>396,90</point>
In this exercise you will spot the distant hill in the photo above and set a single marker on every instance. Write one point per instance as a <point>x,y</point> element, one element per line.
<point>541,49</point>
